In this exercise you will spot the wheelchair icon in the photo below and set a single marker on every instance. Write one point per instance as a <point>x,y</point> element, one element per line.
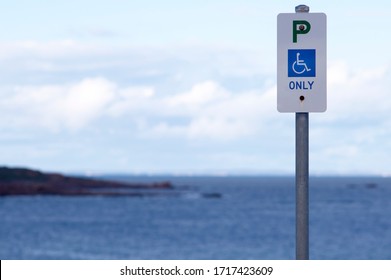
<point>299,66</point>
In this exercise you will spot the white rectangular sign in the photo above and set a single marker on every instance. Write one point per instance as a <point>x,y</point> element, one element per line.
<point>301,62</point>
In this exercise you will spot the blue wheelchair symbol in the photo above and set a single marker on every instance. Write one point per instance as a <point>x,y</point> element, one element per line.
<point>301,63</point>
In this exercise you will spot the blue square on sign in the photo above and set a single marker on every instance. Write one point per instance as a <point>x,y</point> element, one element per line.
<point>302,63</point>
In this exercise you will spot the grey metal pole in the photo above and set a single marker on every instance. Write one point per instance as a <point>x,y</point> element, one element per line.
<point>302,171</point>
<point>302,197</point>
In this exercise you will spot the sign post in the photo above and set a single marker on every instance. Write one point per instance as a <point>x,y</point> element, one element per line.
<point>301,88</point>
<point>302,196</point>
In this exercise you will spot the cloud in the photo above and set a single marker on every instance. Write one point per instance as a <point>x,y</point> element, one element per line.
<point>132,100</point>
<point>193,93</point>
<point>210,111</point>
<point>207,110</point>
<point>358,90</point>
<point>218,128</point>
<point>200,94</point>
<point>15,50</point>
<point>70,106</point>
<point>84,101</point>
<point>93,32</point>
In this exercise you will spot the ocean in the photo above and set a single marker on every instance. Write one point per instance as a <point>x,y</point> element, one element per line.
<point>232,217</point>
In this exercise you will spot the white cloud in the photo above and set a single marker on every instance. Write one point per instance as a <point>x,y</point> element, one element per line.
<point>52,49</point>
<point>55,106</point>
<point>85,101</point>
<point>218,128</point>
<point>212,112</point>
<point>357,92</point>
<point>132,100</point>
<point>200,94</point>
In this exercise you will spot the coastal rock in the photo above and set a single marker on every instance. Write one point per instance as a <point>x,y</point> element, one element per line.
<point>23,181</point>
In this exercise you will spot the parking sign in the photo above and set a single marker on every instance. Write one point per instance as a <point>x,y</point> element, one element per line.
<point>301,62</point>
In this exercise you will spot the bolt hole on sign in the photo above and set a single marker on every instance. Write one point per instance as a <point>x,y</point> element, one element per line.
<point>301,62</point>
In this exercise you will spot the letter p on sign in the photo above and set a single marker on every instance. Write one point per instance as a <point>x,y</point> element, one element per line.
<point>300,27</point>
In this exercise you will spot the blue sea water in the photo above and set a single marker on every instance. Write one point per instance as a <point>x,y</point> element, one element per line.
<point>350,218</point>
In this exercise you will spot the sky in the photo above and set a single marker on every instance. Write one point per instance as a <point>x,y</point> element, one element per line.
<point>185,87</point>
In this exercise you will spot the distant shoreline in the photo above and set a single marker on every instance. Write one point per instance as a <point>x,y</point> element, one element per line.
<point>23,181</point>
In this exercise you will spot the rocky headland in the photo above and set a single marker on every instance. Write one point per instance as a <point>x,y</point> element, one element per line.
<point>23,181</point>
